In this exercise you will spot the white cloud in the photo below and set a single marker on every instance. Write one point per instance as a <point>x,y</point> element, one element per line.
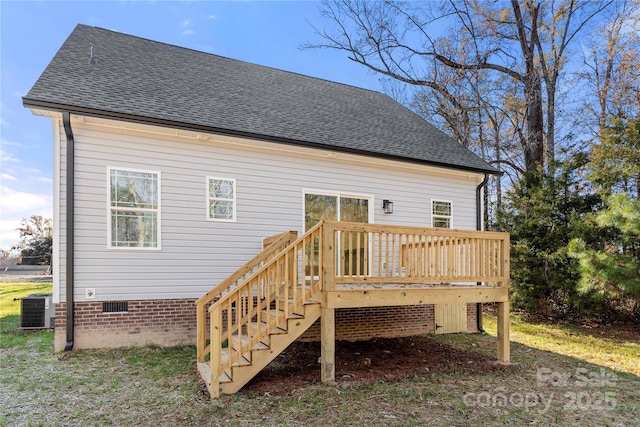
<point>6,176</point>
<point>186,23</point>
<point>6,143</point>
<point>15,205</point>
<point>4,123</point>
<point>6,157</point>
<point>188,32</point>
<point>212,17</point>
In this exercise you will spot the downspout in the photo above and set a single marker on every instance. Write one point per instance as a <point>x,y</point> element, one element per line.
<point>66,121</point>
<point>479,213</point>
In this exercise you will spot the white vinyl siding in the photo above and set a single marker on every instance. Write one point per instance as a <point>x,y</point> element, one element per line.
<point>221,199</point>
<point>134,209</point>
<point>441,214</point>
<point>197,254</point>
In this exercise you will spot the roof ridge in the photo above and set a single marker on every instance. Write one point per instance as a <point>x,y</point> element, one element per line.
<point>231,59</point>
<point>138,78</point>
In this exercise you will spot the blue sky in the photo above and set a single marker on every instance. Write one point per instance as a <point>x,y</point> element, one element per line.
<point>266,33</point>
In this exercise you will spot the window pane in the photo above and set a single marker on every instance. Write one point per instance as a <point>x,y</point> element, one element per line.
<point>134,189</point>
<point>221,189</point>
<point>442,208</point>
<point>220,209</point>
<point>354,210</point>
<point>318,207</point>
<point>134,229</point>
<point>439,222</point>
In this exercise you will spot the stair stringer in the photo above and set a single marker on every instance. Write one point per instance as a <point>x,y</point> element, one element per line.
<point>260,358</point>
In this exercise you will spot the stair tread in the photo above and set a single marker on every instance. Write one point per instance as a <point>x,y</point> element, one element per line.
<point>308,301</point>
<point>243,361</point>
<point>291,314</point>
<point>225,378</point>
<point>274,331</point>
<point>245,339</point>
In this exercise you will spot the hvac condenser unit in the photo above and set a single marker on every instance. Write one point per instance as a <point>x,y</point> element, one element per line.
<point>37,312</point>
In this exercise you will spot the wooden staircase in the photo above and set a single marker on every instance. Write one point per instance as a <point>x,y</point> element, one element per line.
<point>248,364</point>
<point>258,311</point>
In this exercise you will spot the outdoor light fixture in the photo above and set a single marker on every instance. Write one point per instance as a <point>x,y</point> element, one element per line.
<point>387,205</point>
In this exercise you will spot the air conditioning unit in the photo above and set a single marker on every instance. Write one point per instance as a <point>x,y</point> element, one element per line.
<point>37,312</point>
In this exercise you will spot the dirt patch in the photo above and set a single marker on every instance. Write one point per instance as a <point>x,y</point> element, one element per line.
<point>365,362</point>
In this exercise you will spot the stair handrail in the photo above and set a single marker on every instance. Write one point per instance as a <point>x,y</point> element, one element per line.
<point>278,243</point>
<point>285,261</point>
<point>266,265</point>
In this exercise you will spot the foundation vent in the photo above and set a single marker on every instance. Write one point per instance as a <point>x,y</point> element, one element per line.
<point>115,307</point>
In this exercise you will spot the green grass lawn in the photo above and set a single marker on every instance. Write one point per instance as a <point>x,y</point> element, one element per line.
<point>10,316</point>
<point>561,375</point>
<point>10,309</point>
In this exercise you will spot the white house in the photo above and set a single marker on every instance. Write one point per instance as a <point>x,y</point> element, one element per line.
<point>172,165</point>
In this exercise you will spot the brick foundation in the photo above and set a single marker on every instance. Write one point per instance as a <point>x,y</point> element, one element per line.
<point>356,324</point>
<point>172,322</point>
<point>161,322</point>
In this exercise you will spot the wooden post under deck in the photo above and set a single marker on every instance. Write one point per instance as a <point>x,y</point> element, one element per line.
<point>504,346</point>
<point>504,352</point>
<point>328,344</point>
<point>327,320</point>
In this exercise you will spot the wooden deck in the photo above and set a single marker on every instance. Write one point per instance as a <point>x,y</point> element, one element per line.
<point>268,303</point>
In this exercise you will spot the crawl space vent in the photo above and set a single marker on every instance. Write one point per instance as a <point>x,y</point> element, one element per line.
<point>115,307</point>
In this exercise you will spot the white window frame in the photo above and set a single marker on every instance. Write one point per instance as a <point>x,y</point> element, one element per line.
<point>433,216</point>
<point>338,195</point>
<point>234,201</point>
<point>158,210</point>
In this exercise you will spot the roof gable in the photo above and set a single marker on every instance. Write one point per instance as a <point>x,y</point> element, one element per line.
<point>169,84</point>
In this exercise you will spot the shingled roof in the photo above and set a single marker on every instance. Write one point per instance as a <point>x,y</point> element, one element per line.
<point>139,79</point>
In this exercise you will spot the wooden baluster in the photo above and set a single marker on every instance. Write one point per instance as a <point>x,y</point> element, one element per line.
<point>386,252</point>
<point>394,256</point>
<point>358,255</point>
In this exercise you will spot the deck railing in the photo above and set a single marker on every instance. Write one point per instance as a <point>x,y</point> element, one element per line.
<point>245,308</point>
<point>272,246</point>
<point>371,253</point>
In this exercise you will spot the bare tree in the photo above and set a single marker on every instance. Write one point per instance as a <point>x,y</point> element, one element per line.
<point>611,60</point>
<point>440,47</point>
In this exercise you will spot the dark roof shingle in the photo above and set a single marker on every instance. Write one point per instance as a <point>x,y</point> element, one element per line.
<point>148,79</point>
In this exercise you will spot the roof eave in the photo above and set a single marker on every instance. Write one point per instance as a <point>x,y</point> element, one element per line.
<point>47,105</point>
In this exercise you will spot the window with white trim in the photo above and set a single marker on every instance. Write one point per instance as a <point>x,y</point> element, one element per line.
<point>441,214</point>
<point>134,209</point>
<point>319,206</point>
<point>221,199</point>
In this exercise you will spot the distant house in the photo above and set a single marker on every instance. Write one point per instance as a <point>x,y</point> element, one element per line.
<point>172,165</point>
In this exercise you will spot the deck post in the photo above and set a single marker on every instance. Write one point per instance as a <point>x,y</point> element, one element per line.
<point>327,344</point>
<point>504,347</point>
<point>504,351</point>
<point>328,257</point>
<point>201,328</point>
<point>215,350</point>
